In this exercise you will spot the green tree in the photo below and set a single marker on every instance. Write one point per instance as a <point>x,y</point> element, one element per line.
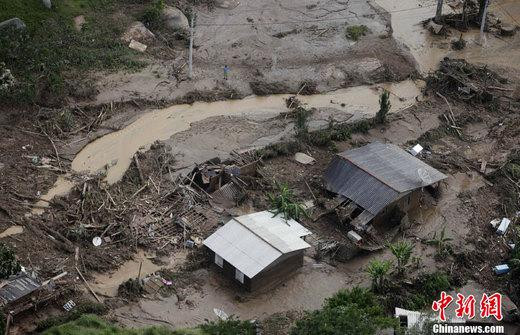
<point>384,107</point>
<point>378,271</point>
<point>402,251</point>
<point>8,263</point>
<point>356,311</point>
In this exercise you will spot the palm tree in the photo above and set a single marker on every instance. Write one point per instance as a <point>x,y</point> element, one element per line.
<point>402,251</point>
<point>378,271</point>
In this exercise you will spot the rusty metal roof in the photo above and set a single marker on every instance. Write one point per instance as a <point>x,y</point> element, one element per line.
<point>17,287</point>
<point>375,175</point>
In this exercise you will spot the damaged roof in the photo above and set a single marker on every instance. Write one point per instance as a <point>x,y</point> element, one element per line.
<point>252,242</point>
<point>17,287</point>
<point>377,174</point>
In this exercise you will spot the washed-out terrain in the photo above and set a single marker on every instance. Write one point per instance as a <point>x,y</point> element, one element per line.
<point>282,45</point>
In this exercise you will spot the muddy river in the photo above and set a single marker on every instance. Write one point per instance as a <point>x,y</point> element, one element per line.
<point>112,153</point>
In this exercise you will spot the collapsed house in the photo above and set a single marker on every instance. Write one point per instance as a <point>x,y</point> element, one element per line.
<point>258,250</point>
<point>23,291</point>
<point>223,181</point>
<point>375,181</point>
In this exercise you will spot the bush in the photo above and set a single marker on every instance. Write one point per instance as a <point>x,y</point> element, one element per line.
<point>301,122</point>
<point>356,311</point>
<point>384,107</point>
<point>93,325</point>
<point>78,312</point>
<point>279,149</point>
<point>8,263</point>
<point>378,271</point>
<point>50,51</point>
<point>425,290</point>
<point>130,289</point>
<point>230,326</point>
<point>355,32</point>
<point>151,17</point>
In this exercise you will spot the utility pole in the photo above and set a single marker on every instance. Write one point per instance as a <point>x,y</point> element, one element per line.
<point>483,22</point>
<point>438,14</point>
<point>190,74</point>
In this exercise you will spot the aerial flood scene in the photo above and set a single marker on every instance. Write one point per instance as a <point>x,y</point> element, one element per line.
<point>274,167</point>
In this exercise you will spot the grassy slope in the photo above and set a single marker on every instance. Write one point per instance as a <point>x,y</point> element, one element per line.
<point>93,325</point>
<point>51,50</point>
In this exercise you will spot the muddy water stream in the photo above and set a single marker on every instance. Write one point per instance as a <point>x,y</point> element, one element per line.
<point>428,50</point>
<point>114,151</point>
<point>107,284</point>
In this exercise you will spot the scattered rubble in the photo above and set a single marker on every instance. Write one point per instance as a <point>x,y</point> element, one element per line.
<point>303,158</point>
<point>463,81</point>
<point>14,23</point>
<point>79,21</point>
<point>137,46</point>
<point>137,31</point>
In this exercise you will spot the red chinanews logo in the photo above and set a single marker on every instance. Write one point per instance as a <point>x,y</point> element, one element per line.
<point>490,306</point>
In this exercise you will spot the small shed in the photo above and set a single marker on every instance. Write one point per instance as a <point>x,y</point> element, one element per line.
<point>376,178</point>
<point>258,250</point>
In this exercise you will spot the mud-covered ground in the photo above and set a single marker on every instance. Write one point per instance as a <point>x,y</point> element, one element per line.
<point>278,44</point>
<point>37,148</point>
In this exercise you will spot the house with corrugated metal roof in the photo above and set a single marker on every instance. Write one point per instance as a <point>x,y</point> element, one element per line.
<point>258,250</point>
<point>375,179</point>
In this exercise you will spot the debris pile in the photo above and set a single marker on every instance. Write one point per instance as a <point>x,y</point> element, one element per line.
<point>460,80</point>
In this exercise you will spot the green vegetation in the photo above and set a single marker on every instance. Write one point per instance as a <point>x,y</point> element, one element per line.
<point>8,263</point>
<point>2,322</point>
<point>80,310</point>
<point>378,271</point>
<point>89,324</point>
<point>356,311</point>
<point>427,288</point>
<point>151,17</point>
<point>356,32</point>
<point>285,202</point>
<point>130,289</point>
<point>48,57</point>
<point>338,132</point>
<point>279,149</point>
<point>92,325</point>
<point>507,178</point>
<point>442,242</point>
<point>301,122</point>
<point>384,107</point>
<point>402,251</point>
<point>420,294</point>
<point>230,326</point>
